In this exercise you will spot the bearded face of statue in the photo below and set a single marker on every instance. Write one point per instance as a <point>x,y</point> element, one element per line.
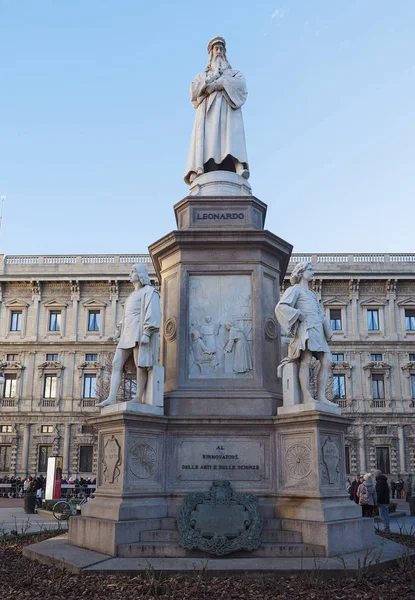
<point>218,61</point>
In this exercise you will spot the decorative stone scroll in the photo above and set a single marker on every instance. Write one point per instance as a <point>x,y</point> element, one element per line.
<point>330,458</point>
<point>220,521</point>
<point>111,460</point>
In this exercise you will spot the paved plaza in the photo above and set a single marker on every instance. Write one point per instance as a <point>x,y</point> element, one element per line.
<point>13,517</point>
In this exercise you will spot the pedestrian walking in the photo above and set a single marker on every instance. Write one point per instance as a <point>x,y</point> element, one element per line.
<point>382,494</point>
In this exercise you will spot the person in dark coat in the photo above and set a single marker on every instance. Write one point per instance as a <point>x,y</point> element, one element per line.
<point>399,488</point>
<point>393,488</point>
<point>382,493</point>
<point>352,490</point>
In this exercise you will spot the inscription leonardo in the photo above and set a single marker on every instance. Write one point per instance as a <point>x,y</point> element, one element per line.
<point>210,216</point>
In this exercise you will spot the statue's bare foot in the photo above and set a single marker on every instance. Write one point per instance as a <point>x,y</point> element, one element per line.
<point>106,402</point>
<point>308,399</point>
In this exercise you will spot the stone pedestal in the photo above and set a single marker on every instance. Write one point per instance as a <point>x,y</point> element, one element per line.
<point>220,275</point>
<point>311,483</point>
<point>294,465</point>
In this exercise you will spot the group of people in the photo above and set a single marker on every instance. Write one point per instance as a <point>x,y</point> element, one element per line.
<point>372,492</point>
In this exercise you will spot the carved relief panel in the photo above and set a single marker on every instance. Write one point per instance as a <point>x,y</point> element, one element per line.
<point>297,468</point>
<point>110,460</point>
<point>220,327</point>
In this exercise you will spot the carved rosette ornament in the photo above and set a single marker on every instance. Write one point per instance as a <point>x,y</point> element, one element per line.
<point>298,461</point>
<point>170,329</point>
<point>220,521</point>
<point>143,460</point>
<point>271,329</point>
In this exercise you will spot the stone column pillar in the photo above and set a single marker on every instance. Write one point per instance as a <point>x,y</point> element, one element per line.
<point>354,330</point>
<point>401,443</point>
<point>75,297</point>
<point>362,452</point>
<point>26,446</point>
<point>114,305</point>
<point>66,450</point>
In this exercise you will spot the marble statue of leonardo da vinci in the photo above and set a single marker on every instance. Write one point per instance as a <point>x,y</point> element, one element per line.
<point>218,137</point>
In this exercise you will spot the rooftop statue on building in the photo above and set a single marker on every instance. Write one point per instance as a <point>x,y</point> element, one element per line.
<point>139,334</point>
<point>218,137</point>
<point>301,317</point>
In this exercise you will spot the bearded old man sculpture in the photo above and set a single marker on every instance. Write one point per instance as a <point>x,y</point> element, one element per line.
<point>218,138</point>
<point>300,316</point>
<point>139,334</point>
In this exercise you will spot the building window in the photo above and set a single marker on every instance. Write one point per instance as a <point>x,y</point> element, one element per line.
<point>52,357</point>
<point>382,459</point>
<point>130,388</point>
<point>378,387</point>
<point>373,320</point>
<point>12,357</point>
<point>44,453</point>
<point>376,357</point>
<point>93,320</point>
<point>49,388</point>
<point>381,430</point>
<point>46,429</point>
<point>6,428</point>
<point>85,459</point>
<point>337,357</point>
<point>412,358</point>
<point>90,386</point>
<point>10,385</point>
<point>89,429</point>
<point>339,386</point>
<point>335,319</point>
<point>5,454</point>
<point>91,357</point>
<point>413,387</point>
<point>55,320</point>
<point>410,319</point>
<point>347,458</point>
<point>16,320</point>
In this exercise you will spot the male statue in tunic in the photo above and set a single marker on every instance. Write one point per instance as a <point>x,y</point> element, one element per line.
<point>300,316</point>
<point>139,334</point>
<point>218,137</point>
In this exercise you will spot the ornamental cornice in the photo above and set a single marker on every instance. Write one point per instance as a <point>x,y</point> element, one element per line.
<point>377,367</point>
<point>340,366</point>
<point>409,369</point>
<point>11,365</point>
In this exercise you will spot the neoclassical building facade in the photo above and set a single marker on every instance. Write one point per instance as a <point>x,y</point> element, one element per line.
<point>57,314</point>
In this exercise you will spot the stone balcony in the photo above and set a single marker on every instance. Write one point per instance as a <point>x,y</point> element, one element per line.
<point>72,266</point>
<point>374,266</point>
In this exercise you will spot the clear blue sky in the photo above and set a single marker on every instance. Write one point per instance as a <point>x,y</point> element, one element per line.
<point>95,119</point>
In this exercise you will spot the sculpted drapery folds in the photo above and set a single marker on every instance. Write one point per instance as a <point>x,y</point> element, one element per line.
<point>139,334</point>
<point>218,137</point>
<point>300,316</point>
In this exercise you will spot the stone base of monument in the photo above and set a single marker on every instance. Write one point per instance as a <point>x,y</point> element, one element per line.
<point>149,464</point>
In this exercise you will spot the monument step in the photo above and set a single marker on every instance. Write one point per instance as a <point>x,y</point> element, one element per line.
<point>272,524</point>
<point>169,523</point>
<point>277,535</point>
<point>160,535</point>
<point>170,550</point>
<point>270,535</point>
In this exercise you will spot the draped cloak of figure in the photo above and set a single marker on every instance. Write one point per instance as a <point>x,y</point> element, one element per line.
<point>238,345</point>
<point>142,315</point>
<point>218,128</point>
<point>310,334</point>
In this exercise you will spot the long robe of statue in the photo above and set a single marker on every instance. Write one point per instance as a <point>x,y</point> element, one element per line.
<point>218,129</point>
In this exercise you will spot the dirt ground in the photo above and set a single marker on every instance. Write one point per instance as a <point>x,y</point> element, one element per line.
<point>21,578</point>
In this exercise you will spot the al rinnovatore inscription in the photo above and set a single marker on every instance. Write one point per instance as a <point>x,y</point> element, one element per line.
<point>220,326</point>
